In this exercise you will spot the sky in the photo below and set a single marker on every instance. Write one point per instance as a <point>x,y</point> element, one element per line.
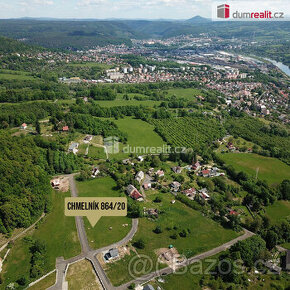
<point>103,9</point>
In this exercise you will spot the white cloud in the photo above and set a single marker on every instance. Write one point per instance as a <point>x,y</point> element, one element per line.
<point>91,2</point>
<point>37,2</point>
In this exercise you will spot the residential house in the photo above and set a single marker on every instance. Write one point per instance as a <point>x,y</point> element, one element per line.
<point>148,287</point>
<point>88,138</point>
<point>55,183</point>
<point>203,193</point>
<point>177,169</point>
<point>95,172</point>
<point>151,171</point>
<point>139,176</point>
<point>233,212</point>
<point>73,147</point>
<point>140,158</point>
<point>196,166</point>
<point>159,173</point>
<point>112,254</point>
<point>190,193</point>
<point>65,128</point>
<point>205,173</point>
<point>127,162</point>
<point>153,212</point>
<point>134,193</point>
<point>147,186</point>
<point>175,185</point>
<point>23,126</point>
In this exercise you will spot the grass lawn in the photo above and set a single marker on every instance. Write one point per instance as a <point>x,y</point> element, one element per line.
<point>278,211</point>
<point>44,283</point>
<point>101,235</point>
<point>15,75</point>
<point>65,238</point>
<point>120,102</point>
<point>82,149</point>
<point>272,170</point>
<point>286,246</point>
<point>204,235</point>
<point>188,93</point>
<point>17,263</point>
<point>56,231</point>
<point>140,134</point>
<point>97,152</point>
<point>80,275</point>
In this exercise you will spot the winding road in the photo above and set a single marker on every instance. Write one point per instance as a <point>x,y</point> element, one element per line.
<point>87,252</point>
<point>90,254</point>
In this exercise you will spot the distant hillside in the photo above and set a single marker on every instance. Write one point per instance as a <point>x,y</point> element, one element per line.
<point>198,19</point>
<point>8,45</point>
<point>80,34</point>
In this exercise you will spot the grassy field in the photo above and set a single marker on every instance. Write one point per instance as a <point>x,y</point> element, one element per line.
<point>278,211</point>
<point>203,234</point>
<point>272,170</point>
<point>108,229</point>
<point>188,94</point>
<point>44,283</point>
<point>97,152</point>
<point>121,102</point>
<point>64,242</point>
<point>80,275</point>
<point>140,134</point>
<point>14,75</point>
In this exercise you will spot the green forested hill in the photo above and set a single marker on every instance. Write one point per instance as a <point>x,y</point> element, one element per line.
<point>24,183</point>
<point>8,45</point>
<point>82,33</point>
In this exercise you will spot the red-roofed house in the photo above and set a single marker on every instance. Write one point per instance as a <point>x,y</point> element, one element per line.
<point>134,193</point>
<point>233,212</point>
<point>23,126</point>
<point>65,128</point>
<point>205,173</point>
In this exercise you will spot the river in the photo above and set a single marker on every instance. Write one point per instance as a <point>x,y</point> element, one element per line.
<point>280,65</point>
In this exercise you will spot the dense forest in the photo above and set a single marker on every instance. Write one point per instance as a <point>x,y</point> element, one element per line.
<point>24,183</point>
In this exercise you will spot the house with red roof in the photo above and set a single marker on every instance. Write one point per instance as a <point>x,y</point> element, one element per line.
<point>65,128</point>
<point>134,193</point>
<point>205,173</point>
<point>23,126</point>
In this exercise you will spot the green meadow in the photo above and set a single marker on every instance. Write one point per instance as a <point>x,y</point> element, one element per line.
<point>270,169</point>
<point>203,234</point>
<point>140,134</point>
<point>59,234</point>
<point>119,101</point>
<point>108,229</point>
<point>278,211</point>
<point>189,93</point>
<point>15,75</point>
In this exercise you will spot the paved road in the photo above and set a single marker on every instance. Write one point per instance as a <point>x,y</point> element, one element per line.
<point>90,254</point>
<point>87,252</point>
<point>190,261</point>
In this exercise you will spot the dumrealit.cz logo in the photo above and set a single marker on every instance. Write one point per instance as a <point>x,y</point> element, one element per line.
<point>249,10</point>
<point>223,11</point>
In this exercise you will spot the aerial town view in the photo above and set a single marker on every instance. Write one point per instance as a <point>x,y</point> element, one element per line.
<point>144,144</point>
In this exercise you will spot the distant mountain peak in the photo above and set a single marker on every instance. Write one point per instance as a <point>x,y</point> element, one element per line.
<point>198,19</point>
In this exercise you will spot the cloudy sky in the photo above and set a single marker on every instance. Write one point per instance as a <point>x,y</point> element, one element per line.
<point>101,9</point>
